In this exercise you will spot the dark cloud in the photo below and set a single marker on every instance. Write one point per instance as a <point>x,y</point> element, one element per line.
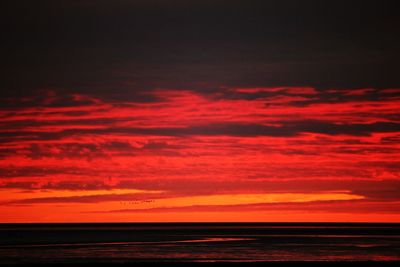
<point>366,150</point>
<point>350,129</point>
<point>65,151</point>
<point>346,96</point>
<point>395,139</point>
<point>293,128</point>
<point>5,152</point>
<point>66,122</point>
<point>33,171</point>
<point>120,50</point>
<point>88,151</point>
<point>341,95</point>
<point>31,186</point>
<point>60,98</point>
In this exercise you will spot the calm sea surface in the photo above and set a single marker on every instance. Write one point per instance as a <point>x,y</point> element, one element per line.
<point>66,243</point>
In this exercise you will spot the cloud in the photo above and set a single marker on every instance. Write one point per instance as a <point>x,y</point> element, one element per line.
<point>199,97</point>
<point>40,171</point>
<point>83,150</point>
<point>291,129</point>
<point>341,206</point>
<point>162,198</point>
<point>131,198</point>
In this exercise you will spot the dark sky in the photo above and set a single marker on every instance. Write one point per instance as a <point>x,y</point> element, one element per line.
<point>119,48</point>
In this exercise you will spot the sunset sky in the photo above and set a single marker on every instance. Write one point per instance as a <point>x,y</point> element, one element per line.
<point>165,111</point>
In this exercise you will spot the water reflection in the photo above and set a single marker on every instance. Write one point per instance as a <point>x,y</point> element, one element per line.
<point>242,243</point>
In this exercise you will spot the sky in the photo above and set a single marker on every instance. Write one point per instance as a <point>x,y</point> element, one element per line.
<point>194,111</point>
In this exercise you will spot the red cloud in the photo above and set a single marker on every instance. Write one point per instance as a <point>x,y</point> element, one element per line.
<point>189,143</point>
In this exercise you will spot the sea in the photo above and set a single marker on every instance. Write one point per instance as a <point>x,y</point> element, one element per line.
<point>198,242</point>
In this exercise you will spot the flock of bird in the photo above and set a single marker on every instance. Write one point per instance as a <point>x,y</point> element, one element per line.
<point>136,202</point>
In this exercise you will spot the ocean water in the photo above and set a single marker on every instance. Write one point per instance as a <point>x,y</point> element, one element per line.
<point>201,242</point>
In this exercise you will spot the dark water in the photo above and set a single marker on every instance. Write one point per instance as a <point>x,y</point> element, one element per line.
<point>70,243</point>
